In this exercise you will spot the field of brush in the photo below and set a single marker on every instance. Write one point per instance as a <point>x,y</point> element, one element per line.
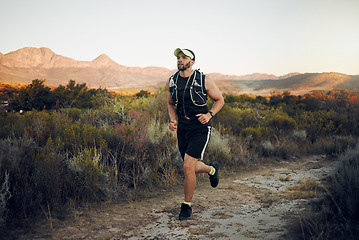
<point>72,145</point>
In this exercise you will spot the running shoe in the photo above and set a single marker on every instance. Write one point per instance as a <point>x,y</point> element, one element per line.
<point>186,212</point>
<point>214,179</point>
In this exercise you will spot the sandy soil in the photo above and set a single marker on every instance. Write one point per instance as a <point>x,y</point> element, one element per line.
<point>254,204</point>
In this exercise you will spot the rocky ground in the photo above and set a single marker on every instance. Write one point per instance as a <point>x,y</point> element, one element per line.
<point>254,204</point>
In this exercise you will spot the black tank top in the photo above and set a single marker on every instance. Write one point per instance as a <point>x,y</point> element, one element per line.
<point>186,110</point>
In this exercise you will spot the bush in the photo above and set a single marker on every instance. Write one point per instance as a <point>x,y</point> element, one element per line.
<point>255,135</point>
<point>101,146</point>
<point>18,159</point>
<point>336,216</point>
<point>282,124</point>
<point>300,135</point>
<point>218,149</point>
<point>230,120</point>
<point>345,184</point>
<point>265,149</point>
<point>5,195</point>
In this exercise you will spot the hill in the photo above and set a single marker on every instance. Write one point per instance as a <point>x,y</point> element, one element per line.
<point>24,65</point>
<point>297,84</point>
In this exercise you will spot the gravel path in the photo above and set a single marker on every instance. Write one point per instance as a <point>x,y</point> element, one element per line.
<point>256,204</point>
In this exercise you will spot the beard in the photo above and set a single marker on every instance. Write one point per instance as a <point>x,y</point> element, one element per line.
<point>183,67</point>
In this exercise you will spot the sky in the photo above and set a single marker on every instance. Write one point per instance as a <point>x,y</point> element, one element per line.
<point>234,37</point>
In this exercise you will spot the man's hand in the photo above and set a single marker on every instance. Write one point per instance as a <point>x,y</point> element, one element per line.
<point>173,125</point>
<point>204,118</point>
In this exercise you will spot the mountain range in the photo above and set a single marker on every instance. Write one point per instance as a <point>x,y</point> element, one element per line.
<point>24,65</point>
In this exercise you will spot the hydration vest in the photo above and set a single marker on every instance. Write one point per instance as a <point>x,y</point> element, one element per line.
<point>196,86</point>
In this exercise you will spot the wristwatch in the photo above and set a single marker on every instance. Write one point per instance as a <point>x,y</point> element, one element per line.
<point>212,114</point>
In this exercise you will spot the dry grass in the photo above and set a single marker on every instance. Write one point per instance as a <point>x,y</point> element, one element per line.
<point>305,189</point>
<point>284,179</point>
<point>334,216</point>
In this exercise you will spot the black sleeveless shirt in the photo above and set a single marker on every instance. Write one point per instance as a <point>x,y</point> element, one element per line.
<point>186,110</point>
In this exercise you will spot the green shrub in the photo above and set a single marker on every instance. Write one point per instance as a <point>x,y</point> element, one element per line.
<point>218,149</point>
<point>280,124</point>
<point>84,169</point>
<point>230,120</point>
<point>253,136</point>
<point>265,149</point>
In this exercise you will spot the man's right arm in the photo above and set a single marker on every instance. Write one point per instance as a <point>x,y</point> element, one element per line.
<point>171,111</point>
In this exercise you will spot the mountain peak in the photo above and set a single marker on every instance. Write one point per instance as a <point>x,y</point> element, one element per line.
<point>101,57</point>
<point>45,50</point>
<point>289,75</point>
<point>28,57</point>
<point>104,61</point>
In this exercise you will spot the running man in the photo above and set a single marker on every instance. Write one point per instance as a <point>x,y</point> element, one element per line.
<point>187,107</point>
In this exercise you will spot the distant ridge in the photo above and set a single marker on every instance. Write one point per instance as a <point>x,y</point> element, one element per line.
<point>45,58</point>
<point>24,65</point>
<point>253,76</point>
<point>296,84</point>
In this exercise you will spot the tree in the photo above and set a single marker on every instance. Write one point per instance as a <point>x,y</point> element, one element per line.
<point>143,93</point>
<point>35,96</point>
<point>73,95</point>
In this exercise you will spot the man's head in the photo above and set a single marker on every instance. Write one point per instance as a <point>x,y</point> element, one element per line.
<point>185,58</point>
<point>186,52</point>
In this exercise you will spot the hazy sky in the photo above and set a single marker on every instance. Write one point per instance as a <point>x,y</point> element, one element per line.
<point>228,36</point>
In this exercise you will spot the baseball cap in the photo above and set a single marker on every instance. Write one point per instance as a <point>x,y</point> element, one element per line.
<point>186,52</point>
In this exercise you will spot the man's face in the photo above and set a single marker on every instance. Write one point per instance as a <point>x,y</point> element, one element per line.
<point>183,62</point>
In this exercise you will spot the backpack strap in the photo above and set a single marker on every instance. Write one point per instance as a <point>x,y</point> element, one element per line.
<point>200,79</point>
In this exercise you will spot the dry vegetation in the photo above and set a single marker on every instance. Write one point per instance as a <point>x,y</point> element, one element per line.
<point>90,145</point>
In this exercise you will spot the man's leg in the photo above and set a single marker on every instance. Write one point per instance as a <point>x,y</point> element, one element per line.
<point>212,171</point>
<point>201,167</point>
<point>191,167</point>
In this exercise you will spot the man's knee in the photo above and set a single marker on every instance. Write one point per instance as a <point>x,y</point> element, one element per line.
<point>190,164</point>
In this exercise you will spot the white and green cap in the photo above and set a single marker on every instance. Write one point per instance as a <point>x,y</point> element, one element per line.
<point>186,52</point>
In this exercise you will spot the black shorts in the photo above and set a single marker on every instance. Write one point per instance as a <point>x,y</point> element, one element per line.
<point>194,141</point>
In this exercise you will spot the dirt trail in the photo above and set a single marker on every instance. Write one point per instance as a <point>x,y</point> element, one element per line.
<point>252,205</point>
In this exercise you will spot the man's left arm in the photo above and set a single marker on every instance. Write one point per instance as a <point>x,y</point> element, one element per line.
<point>214,93</point>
